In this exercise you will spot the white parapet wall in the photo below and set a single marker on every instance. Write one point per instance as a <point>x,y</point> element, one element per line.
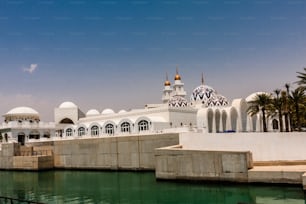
<point>264,146</point>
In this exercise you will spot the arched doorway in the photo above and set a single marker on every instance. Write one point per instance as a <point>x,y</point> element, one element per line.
<point>21,138</point>
<point>275,124</point>
<point>210,117</point>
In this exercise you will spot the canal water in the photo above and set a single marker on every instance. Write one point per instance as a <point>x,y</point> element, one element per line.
<point>135,187</point>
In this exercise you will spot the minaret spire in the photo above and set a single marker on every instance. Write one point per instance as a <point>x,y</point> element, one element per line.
<point>167,90</point>
<point>177,76</point>
<point>202,80</point>
<point>167,82</point>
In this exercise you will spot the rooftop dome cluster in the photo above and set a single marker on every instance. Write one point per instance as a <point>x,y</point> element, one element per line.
<point>208,96</point>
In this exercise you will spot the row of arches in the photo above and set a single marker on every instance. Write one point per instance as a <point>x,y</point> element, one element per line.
<point>224,119</point>
<point>109,128</point>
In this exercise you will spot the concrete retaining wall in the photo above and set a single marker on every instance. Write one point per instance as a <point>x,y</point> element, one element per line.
<point>32,162</point>
<point>126,152</point>
<point>175,163</point>
<point>7,153</point>
<point>264,146</point>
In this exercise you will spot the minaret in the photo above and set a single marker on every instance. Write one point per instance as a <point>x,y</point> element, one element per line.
<point>202,80</point>
<point>178,87</point>
<point>167,90</point>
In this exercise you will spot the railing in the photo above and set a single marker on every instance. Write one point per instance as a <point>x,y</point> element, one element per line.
<point>9,200</point>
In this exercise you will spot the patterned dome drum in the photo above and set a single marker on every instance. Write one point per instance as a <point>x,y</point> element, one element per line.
<point>217,100</point>
<point>177,101</point>
<point>202,94</point>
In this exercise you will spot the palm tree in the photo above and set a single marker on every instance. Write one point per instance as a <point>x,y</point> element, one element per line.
<point>297,98</point>
<point>302,77</point>
<point>261,104</point>
<point>277,104</point>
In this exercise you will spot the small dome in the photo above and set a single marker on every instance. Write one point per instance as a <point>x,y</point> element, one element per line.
<point>92,112</point>
<point>177,101</point>
<point>68,104</point>
<point>22,111</point>
<point>177,77</point>
<point>252,96</point>
<point>107,111</point>
<point>122,111</point>
<point>167,83</point>
<point>217,100</point>
<point>202,94</point>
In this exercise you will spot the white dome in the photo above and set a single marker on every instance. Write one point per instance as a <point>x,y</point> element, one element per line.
<point>22,111</point>
<point>177,101</point>
<point>217,100</point>
<point>68,104</point>
<point>92,112</point>
<point>252,96</point>
<point>202,94</point>
<point>122,111</point>
<point>107,111</point>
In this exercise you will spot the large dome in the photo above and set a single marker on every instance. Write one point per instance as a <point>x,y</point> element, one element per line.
<point>177,101</point>
<point>22,114</point>
<point>68,104</point>
<point>22,111</point>
<point>202,94</point>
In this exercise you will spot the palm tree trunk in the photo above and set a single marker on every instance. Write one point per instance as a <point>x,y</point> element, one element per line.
<point>280,118</point>
<point>297,113</point>
<point>286,122</point>
<point>264,120</point>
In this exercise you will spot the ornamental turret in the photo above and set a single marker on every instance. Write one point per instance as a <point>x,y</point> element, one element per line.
<point>178,87</point>
<point>167,90</point>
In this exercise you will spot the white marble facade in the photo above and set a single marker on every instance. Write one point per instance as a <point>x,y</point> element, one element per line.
<point>205,111</point>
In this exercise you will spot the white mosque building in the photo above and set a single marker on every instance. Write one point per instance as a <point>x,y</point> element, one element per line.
<point>206,111</point>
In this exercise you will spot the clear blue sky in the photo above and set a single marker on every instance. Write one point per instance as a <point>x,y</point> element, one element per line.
<point>115,53</point>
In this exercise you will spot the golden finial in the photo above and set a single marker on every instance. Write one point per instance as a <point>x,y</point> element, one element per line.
<point>177,76</point>
<point>167,82</point>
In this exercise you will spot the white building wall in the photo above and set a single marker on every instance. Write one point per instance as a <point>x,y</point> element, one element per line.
<point>272,146</point>
<point>182,117</point>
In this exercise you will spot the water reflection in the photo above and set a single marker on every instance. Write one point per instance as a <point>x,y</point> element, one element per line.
<point>127,187</point>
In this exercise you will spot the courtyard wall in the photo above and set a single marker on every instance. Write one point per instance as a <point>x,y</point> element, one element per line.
<point>265,147</point>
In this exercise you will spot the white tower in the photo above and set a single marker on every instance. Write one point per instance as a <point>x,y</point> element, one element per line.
<point>167,90</point>
<point>178,87</point>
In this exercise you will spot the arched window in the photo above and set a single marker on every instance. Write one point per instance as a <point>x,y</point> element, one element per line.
<point>125,127</point>
<point>109,129</point>
<point>66,121</point>
<point>94,130</point>
<point>69,132</point>
<point>143,125</point>
<point>81,131</point>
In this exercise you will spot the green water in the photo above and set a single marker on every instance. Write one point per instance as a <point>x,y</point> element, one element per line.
<point>130,187</point>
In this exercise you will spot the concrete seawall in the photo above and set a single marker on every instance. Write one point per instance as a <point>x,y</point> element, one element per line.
<point>127,152</point>
<point>109,153</point>
<point>176,163</point>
